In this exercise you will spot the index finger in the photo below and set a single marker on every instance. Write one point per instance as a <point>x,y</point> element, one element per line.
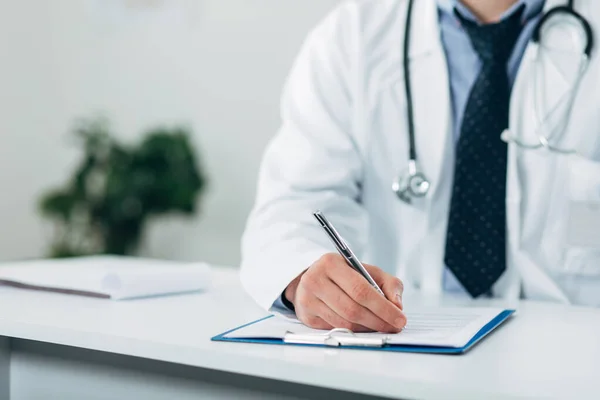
<point>359,289</point>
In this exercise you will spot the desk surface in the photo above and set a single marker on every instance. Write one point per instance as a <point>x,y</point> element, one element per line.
<point>546,350</point>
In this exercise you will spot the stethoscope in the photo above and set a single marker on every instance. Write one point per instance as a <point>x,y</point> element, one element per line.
<point>413,183</point>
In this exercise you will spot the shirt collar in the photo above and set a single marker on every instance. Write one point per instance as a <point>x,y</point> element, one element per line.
<point>532,8</point>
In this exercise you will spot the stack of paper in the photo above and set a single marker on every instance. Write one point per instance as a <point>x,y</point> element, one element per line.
<point>112,277</point>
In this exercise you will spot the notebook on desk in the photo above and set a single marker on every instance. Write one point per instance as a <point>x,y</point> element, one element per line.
<point>429,330</point>
<point>105,276</point>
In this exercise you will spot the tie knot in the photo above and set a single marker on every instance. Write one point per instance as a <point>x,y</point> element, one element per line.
<point>495,42</point>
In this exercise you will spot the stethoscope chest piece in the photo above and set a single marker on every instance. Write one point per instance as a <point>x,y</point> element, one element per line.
<point>411,184</point>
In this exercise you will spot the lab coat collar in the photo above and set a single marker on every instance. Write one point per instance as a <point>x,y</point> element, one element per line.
<point>425,31</point>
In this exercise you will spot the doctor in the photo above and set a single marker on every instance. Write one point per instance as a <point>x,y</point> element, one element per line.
<point>456,147</point>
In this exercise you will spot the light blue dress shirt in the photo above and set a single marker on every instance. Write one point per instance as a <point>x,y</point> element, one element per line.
<point>463,68</point>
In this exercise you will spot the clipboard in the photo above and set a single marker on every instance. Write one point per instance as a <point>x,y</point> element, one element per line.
<point>342,338</point>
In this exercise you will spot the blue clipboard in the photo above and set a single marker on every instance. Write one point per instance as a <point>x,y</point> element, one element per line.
<point>369,345</point>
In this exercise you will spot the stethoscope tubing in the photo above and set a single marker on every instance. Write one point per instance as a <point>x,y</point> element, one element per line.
<point>402,186</point>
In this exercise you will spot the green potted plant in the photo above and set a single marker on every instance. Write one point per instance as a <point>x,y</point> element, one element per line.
<point>116,189</point>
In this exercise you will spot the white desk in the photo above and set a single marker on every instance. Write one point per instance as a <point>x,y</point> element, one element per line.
<point>63,347</point>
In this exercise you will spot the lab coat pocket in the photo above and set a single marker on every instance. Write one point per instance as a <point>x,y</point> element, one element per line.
<point>580,224</point>
<point>582,228</point>
<point>572,236</point>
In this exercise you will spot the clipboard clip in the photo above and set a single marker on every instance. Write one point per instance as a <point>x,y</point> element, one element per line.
<point>334,338</point>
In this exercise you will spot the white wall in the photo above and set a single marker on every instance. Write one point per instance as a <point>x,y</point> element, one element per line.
<point>215,65</point>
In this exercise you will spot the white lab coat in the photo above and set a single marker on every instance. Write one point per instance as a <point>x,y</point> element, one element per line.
<point>343,140</point>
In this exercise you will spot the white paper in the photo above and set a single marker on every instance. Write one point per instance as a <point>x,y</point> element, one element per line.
<point>112,276</point>
<point>443,327</point>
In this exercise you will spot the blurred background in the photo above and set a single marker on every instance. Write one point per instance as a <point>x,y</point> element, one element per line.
<point>213,69</point>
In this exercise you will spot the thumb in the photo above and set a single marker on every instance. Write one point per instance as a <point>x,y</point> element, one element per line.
<point>392,287</point>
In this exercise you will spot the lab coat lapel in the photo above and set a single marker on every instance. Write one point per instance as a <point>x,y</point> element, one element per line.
<point>430,91</point>
<point>525,124</point>
<point>433,127</point>
<point>552,67</point>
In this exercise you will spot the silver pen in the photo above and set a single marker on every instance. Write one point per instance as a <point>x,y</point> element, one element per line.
<point>345,251</point>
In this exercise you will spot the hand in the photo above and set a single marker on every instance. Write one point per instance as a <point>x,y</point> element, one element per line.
<point>330,295</point>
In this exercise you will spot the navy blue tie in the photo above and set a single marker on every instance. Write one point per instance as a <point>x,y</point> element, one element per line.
<point>476,237</point>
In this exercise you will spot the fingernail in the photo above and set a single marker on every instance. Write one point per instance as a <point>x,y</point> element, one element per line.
<point>399,323</point>
<point>399,298</point>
